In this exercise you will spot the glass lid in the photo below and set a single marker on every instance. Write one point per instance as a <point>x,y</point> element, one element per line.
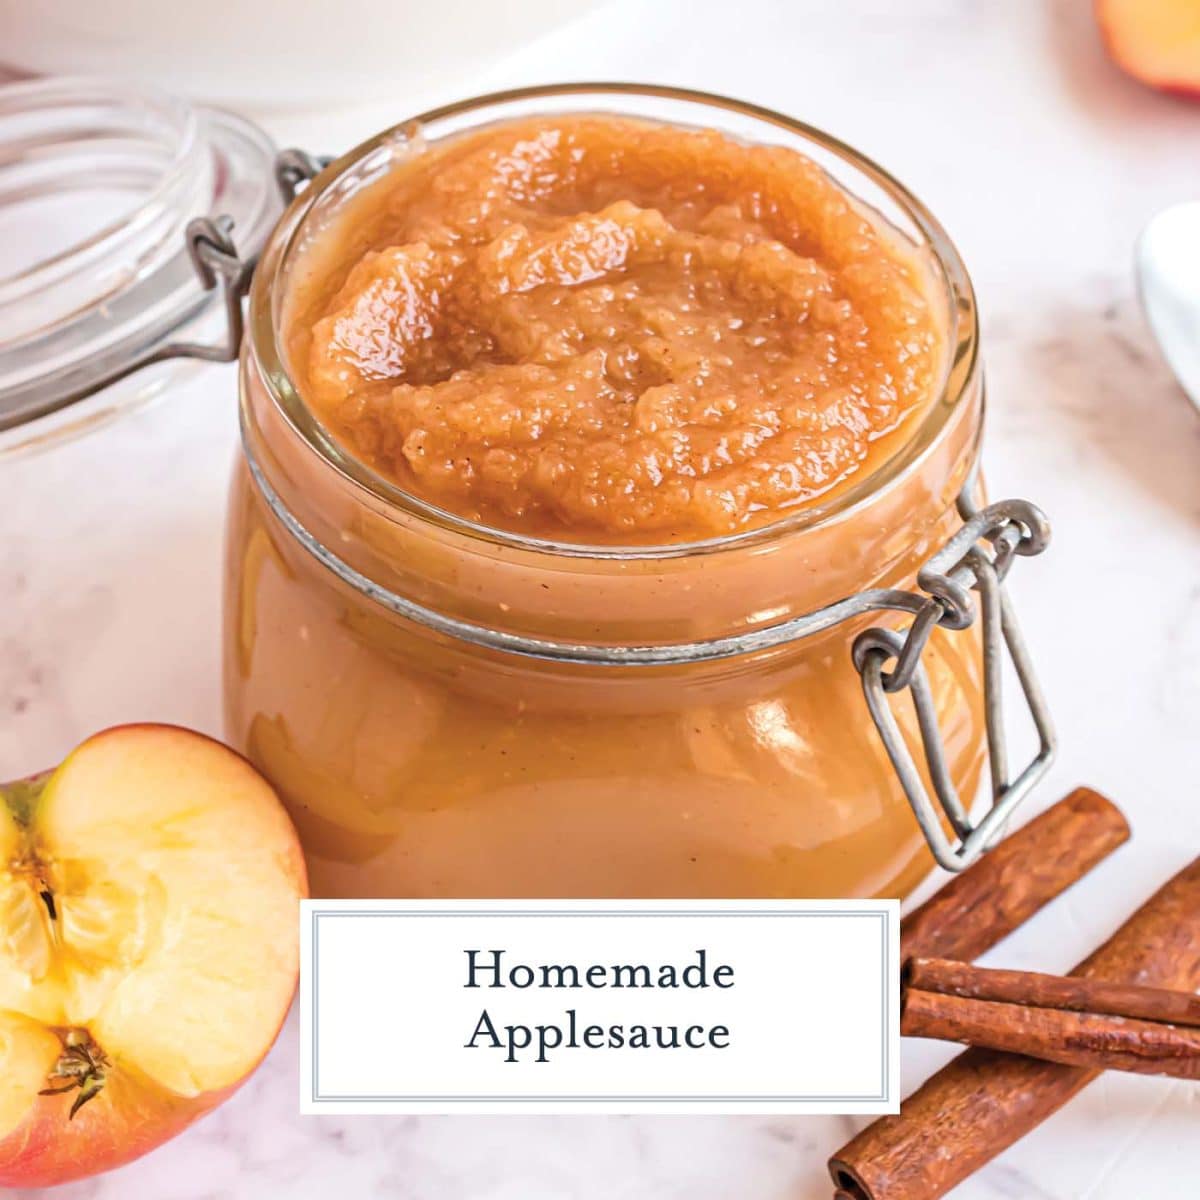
<point>104,267</point>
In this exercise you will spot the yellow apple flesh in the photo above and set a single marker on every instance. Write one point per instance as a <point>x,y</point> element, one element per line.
<point>149,901</point>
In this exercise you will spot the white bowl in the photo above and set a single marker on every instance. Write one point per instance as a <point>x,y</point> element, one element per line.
<point>273,54</point>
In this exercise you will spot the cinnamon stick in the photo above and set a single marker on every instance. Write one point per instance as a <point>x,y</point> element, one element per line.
<point>1096,1041</point>
<point>999,892</point>
<point>985,1100</point>
<point>1033,989</point>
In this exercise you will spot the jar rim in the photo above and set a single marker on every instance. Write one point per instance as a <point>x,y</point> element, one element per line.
<point>177,136</point>
<point>264,341</point>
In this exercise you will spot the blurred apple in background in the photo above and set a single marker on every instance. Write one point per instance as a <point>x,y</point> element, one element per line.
<point>1156,41</point>
<point>149,946</point>
<point>273,54</point>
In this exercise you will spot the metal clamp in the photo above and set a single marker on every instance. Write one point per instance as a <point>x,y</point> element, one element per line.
<point>217,263</point>
<point>976,559</point>
<point>294,167</point>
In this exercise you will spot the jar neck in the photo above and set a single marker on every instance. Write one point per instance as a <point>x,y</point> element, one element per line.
<point>747,591</point>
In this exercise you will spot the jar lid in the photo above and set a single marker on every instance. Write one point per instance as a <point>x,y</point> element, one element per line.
<point>104,267</point>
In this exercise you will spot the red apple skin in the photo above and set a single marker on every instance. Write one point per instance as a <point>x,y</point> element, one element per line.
<point>128,1119</point>
<point>131,1115</point>
<point>1142,72</point>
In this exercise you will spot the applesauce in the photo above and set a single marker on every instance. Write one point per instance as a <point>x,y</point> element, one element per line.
<point>567,416</point>
<point>593,327</point>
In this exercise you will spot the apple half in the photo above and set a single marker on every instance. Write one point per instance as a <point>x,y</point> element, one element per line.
<point>1155,41</point>
<point>149,892</point>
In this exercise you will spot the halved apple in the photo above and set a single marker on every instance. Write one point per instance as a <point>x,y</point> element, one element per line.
<point>149,892</point>
<point>1156,41</point>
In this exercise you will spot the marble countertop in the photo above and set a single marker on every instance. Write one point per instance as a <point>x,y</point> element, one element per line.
<point>1043,162</point>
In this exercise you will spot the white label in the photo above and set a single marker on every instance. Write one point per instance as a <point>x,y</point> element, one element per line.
<point>600,1006</point>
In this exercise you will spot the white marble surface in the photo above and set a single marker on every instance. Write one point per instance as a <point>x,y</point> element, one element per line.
<point>1043,162</point>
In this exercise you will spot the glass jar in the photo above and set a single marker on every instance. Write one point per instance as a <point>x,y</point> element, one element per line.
<point>113,196</point>
<point>450,710</point>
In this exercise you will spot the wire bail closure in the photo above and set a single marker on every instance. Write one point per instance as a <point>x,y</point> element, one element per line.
<point>217,263</point>
<point>976,559</point>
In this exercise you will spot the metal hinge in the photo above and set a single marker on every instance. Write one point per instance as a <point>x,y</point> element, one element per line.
<point>976,560</point>
<point>214,256</point>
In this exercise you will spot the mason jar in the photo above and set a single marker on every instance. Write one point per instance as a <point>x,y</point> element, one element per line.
<point>455,710</point>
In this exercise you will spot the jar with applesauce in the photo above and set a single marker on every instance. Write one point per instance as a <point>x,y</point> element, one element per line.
<point>471,676</point>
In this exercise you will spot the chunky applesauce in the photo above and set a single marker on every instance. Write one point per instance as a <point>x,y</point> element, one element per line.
<point>609,345</point>
<point>599,328</point>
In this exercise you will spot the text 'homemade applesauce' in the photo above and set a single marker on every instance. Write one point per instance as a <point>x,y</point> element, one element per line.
<point>595,328</point>
<point>602,381</point>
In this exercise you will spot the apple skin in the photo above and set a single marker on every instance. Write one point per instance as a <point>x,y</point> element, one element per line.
<point>132,1114</point>
<point>125,1121</point>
